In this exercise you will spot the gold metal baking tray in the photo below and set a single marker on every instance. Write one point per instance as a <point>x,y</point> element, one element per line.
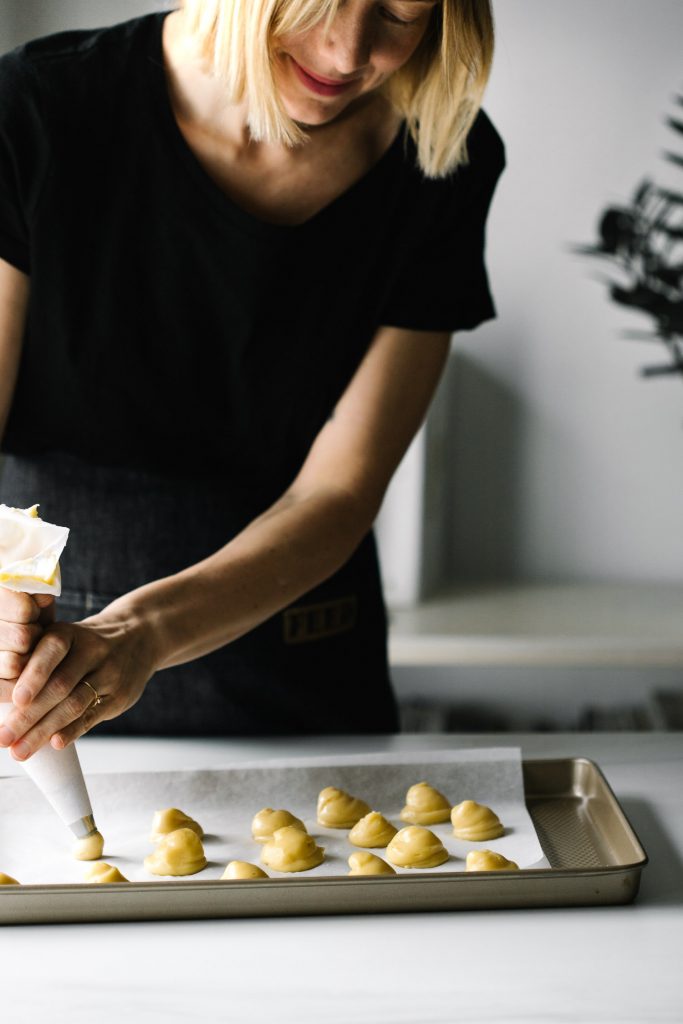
<point>595,857</point>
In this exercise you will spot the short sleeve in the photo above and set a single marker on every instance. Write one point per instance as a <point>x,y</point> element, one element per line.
<point>23,157</point>
<point>440,280</point>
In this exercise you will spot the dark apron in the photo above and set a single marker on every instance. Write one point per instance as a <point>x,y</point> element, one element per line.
<point>319,666</point>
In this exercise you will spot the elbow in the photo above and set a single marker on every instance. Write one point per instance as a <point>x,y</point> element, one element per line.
<point>339,518</point>
<point>356,511</point>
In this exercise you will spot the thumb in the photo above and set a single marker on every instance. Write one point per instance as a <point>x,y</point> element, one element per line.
<point>46,603</point>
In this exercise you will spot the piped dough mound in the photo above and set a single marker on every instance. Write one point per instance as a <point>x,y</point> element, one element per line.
<point>179,853</point>
<point>425,805</point>
<point>475,822</point>
<point>241,869</point>
<point>416,847</point>
<point>373,830</point>
<point>363,863</point>
<point>267,822</point>
<point>89,848</point>
<point>8,880</point>
<point>170,820</point>
<point>338,809</point>
<point>488,860</point>
<point>104,873</point>
<point>290,849</point>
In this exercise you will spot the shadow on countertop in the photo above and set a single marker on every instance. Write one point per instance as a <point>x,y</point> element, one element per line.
<point>662,879</point>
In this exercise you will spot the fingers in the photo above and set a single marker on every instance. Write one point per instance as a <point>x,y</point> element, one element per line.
<point>50,651</point>
<point>53,703</point>
<point>22,621</point>
<point>47,608</point>
<point>20,638</point>
<point>22,608</point>
<point>6,688</point>
<point>11,666</point>
<point>76,712</point>
<point>90,717</point>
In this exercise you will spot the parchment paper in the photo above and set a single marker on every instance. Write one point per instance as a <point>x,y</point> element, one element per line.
<point>35,848</point>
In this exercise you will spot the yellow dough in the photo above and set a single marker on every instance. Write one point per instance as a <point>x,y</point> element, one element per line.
<point>267,822</point>
<point>373,830</point>
<point>8,880</point>
<point>475,822</point>
<point>89,848</point>
<point>104,873</point>
<point>237,869</point>
<point>290,849</point>
<point>179,853</point>
<point>363,863</point>
<point>487,860</point>
<point>170,820</point>
<point>338,809</point>
<point>425,805</point>
<point>416,847</point>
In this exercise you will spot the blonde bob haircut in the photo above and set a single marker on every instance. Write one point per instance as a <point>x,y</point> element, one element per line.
<point>437,92</point>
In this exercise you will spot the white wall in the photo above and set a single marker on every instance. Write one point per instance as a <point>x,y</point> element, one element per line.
<point>580,91</point>
<point>27,19</point>
<point>562,461</point>
<point>550,457</point>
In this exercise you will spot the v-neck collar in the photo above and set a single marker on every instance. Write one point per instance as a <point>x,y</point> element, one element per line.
<point>211,188</point>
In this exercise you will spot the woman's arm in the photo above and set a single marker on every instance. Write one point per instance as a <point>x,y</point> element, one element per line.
<point>322,517</point>
<point>302,539</point>
<point>32,612</point>
<point>14,290</point>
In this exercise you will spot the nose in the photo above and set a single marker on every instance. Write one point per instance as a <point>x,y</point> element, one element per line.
<point>349,40</point>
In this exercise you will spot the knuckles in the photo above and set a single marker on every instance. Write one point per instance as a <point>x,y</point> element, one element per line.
<point>55,646</point>
<point>17,607</point>
<point>21,638</point>
<point>11,665</point>
<point>59,687</point>
<point>75,705</point>
<point>20,722</point>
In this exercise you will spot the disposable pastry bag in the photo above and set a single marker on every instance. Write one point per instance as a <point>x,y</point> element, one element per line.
<point>29,562</point>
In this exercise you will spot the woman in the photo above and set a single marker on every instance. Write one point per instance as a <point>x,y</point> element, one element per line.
<point>234,240</point>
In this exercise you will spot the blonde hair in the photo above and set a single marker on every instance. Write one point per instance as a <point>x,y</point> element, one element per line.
<point>438,92</point>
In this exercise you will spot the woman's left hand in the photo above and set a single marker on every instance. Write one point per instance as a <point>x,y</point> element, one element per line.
<point>78,674</point>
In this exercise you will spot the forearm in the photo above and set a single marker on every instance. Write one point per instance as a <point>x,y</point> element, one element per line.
<point>14,293</point>
<point>299,542</point>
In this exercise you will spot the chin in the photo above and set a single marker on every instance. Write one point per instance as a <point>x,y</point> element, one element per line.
<point>311,119</point>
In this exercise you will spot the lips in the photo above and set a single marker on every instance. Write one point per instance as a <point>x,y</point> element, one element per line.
<point>317,84</point>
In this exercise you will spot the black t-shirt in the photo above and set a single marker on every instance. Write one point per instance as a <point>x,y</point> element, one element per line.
<point>170,329</point>
<point>170,333</point>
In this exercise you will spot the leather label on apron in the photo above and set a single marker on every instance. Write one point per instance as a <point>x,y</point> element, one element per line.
<point>306,623</point>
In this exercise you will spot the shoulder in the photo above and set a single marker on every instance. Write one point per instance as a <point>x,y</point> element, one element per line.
<point>84,44</point>
<point>74,60</point>
<point>468,189</point>
<point>485,162</point>
<point>18,83</point>
<point>485,147</point>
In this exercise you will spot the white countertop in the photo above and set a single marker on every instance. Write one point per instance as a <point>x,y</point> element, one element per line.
<point>619,964</point>
<point>582,624</point>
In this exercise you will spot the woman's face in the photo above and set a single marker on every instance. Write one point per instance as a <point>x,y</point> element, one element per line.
<point>319,74</point>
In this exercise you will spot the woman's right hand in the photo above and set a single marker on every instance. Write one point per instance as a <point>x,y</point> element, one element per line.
<point>23,618</point>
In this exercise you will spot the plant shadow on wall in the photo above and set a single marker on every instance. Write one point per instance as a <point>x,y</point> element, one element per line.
<point>644,242</point>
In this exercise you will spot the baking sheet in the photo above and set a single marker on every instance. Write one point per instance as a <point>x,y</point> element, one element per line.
<point>35,846</point>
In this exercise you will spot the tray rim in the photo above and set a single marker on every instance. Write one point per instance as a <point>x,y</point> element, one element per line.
<point>642,862</point>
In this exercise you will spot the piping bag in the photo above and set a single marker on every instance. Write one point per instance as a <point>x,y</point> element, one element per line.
<point>29,563</point>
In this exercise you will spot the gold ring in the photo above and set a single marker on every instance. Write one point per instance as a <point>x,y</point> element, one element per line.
<point>98,700</point>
